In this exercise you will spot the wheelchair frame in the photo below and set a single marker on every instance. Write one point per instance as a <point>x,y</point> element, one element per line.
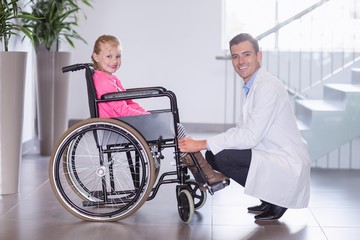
<point>106,169</point>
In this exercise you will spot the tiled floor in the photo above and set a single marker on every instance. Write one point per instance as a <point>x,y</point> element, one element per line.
<point>35,214</point>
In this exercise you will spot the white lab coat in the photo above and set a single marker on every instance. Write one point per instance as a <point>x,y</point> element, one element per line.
<point>280,166</point>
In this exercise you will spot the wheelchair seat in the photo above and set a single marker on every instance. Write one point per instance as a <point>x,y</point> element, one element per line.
<point>154,126</point>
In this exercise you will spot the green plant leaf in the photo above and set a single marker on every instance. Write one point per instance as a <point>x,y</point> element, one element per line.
<point>54,21</point>
<point>10,15</point>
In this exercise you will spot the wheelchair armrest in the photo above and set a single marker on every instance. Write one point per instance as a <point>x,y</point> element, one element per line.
<point>161,89</point>
<point>133,93</point>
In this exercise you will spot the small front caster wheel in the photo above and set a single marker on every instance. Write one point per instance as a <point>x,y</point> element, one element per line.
<point>185,205</point>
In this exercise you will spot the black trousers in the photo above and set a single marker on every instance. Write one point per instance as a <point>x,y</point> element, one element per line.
<point>234,164</point>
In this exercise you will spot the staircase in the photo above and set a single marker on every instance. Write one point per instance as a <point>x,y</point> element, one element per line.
<point>332,121</point>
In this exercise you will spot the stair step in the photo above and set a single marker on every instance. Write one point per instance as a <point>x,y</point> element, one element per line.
<point>318,105</point>
<point>338,94</point>
<point>343,87</point>
<point>301,125</point>
<point>355,75</point>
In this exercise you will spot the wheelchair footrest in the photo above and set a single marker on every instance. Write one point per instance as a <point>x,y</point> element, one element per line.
<point>218,186</point>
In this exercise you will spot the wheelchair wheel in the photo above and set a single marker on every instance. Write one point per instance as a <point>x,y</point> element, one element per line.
<point>102,170</point>
<point>185,205</point>
<point>199,196</point>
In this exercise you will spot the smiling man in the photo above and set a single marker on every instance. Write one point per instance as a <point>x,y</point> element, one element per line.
<point>265,152</point>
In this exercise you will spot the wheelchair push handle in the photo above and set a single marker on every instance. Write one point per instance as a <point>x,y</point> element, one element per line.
<point>75,67</point>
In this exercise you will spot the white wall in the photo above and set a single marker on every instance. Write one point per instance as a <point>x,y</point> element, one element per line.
<point>165,43</point>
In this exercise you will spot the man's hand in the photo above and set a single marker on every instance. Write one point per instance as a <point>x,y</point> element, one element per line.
<point>191,145</point>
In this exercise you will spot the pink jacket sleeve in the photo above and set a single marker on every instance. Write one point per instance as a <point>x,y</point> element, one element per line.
<point>105,83</point>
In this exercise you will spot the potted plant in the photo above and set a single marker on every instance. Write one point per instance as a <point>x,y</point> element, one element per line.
<point>12,82</point>
<point>55,22</point>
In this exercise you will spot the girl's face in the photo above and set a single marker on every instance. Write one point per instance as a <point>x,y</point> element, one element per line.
<point>109,58</point>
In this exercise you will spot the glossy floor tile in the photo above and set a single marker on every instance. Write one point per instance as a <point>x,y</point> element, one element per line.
<point>35,214</point>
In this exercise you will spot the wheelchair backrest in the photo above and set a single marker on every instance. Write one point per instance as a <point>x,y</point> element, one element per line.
<point>89,72</point>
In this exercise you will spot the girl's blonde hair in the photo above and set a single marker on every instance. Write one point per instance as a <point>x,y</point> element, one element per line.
<point>104,39</point>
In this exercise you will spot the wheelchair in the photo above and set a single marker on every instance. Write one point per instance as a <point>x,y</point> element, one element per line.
<point>106,169</point>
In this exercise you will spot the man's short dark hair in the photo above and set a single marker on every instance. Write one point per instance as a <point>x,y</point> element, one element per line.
<point>242,37</point>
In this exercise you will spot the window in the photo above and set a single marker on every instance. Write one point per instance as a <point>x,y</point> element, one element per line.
<point>317,29</point>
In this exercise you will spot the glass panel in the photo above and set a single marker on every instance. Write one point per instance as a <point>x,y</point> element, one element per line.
<point>316,30</point>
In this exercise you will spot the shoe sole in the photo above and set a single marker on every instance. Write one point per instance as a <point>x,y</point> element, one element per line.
<point>256,212</point>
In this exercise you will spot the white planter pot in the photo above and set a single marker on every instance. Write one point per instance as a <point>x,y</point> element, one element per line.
<point>52,98</point>
<point>12,90</point>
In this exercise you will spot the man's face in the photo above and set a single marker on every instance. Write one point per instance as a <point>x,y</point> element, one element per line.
<point>244,59</point>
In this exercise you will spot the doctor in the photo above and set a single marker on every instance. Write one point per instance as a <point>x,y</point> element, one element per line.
<point>265,152</point>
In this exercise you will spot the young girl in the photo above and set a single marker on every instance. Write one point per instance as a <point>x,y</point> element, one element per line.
<point>106,59</point>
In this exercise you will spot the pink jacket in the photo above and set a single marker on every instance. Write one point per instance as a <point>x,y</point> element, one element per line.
<point>105,83</point>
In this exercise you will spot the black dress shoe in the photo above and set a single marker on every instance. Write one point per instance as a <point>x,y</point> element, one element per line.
<point>259,208</point>
<point>274,212</point>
